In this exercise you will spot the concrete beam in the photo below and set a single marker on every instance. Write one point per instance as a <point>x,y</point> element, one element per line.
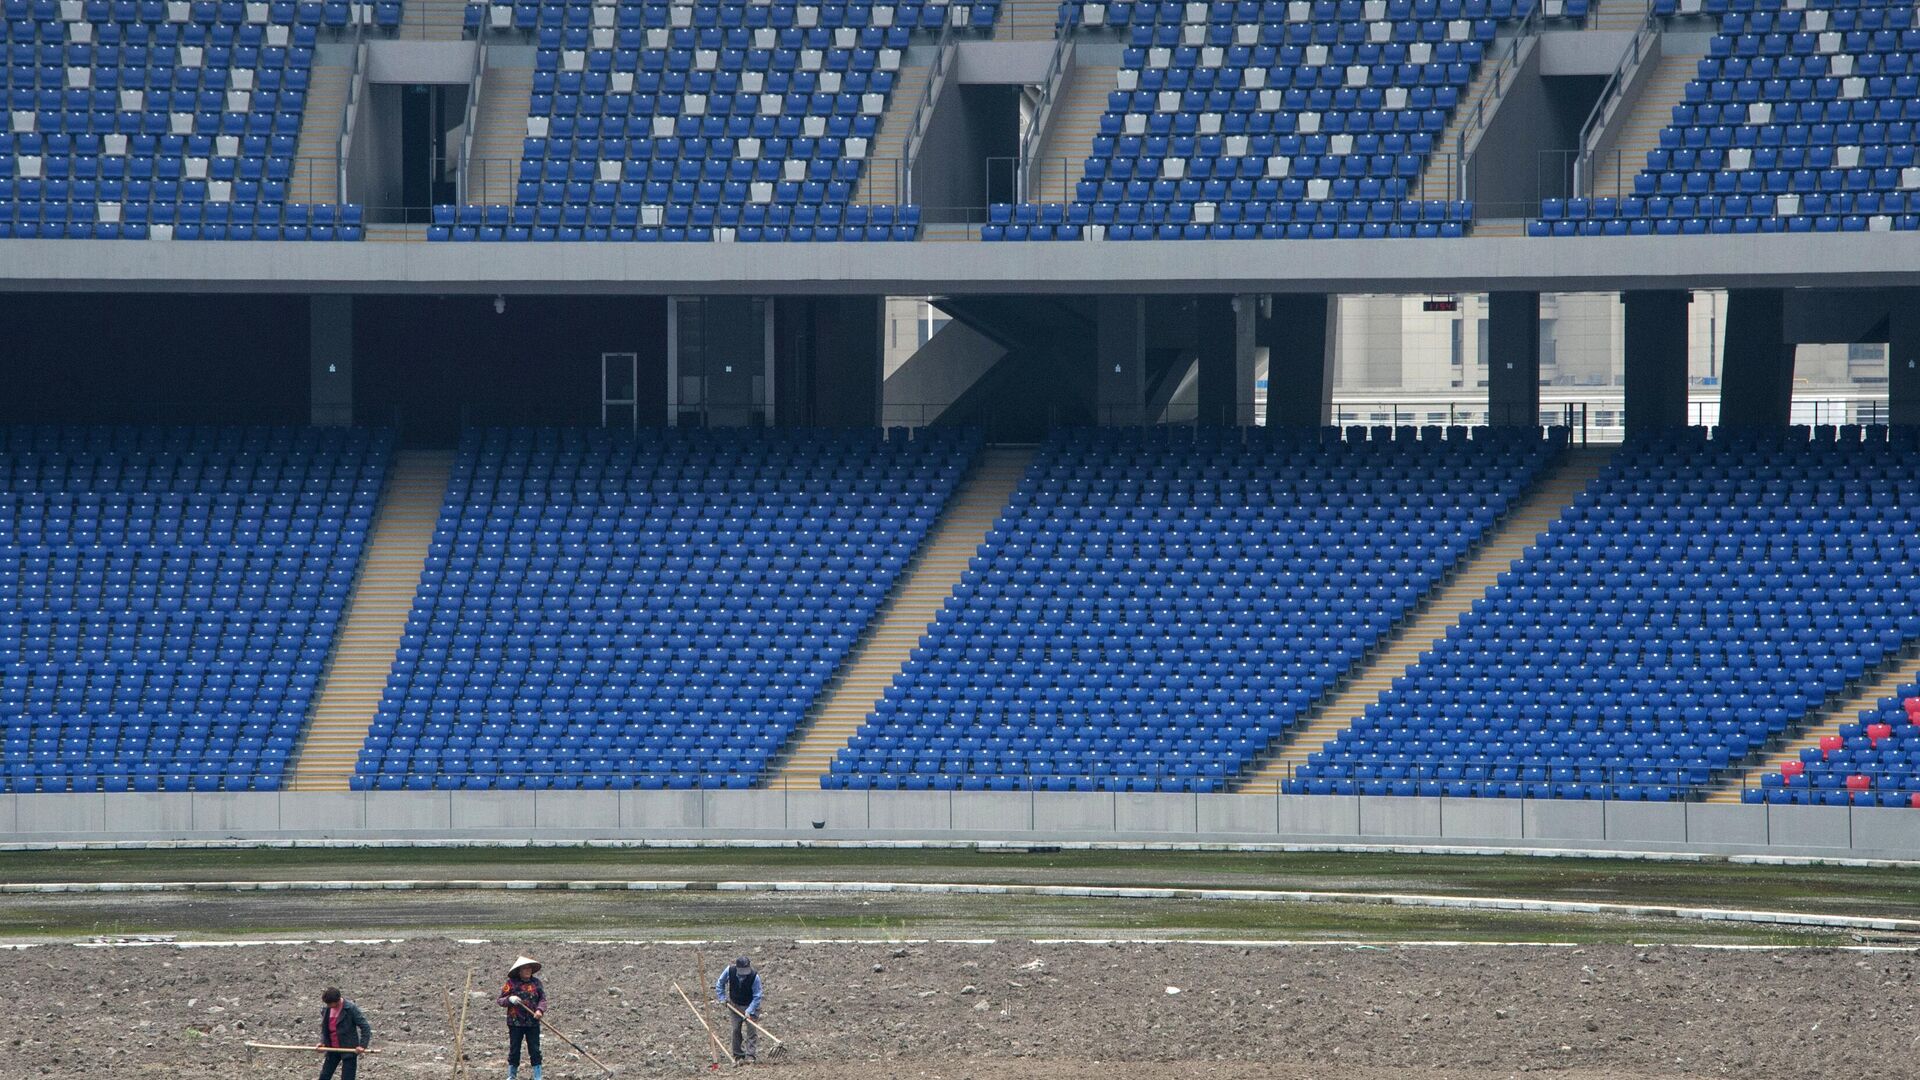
<point>1489,264</point>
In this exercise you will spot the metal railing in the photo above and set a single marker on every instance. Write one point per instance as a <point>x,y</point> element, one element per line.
<point>1050,84</point>
<point>1474,123</point>
<point>945,49</point>
<point>1640,49</point>
<point>474,87</point>
<point>350,111</point>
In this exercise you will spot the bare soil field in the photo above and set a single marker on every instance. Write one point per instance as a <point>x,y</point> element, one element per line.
<point>1006,1011</point>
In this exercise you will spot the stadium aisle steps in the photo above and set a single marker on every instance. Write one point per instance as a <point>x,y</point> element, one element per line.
<point>433,20</point>
<point>316,173</point>
<point>1822,723</point>
<point>1469,582</point>
<point>1617,15</point>
<point>500,133</point>
<point>1640,130</point>
<point>376,615</point>
<point>1437,178</point>
<point>902,621</point>
<point>879,183</point>
<point>1026,20</point>
<point>1062,157</point>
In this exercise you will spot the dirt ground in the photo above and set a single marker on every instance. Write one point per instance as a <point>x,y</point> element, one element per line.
<point>1008,1011</point>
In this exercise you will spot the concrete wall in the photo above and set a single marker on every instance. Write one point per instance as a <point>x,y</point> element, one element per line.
<point>1042,816</point>
<point>1583,52</point>
<point>422,63</point>
<point>998,63</point>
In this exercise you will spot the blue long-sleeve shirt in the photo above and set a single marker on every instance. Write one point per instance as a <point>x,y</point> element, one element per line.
<point>722,990</point>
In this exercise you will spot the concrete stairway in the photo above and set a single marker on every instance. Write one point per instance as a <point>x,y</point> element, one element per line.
<point>433,20</point>
<point>1061,158</point>
<point>499,136</point>
<point>947,232</point>
<point>316,156</point>
<point>1827,721</point>
<point>1453,597</point>
<point>1640,129</point>
<point>1026,20</point>
<point>902,621</point>
<point>881,181</point>
<point>1500,227</point>
<point>1616,15</point>
<point>376,615</point>
<point>1437,179</point>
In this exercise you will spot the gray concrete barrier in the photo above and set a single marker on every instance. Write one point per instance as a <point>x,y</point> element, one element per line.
<point>1017,816</point>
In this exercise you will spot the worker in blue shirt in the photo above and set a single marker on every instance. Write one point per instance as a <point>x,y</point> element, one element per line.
<point>739,989</point>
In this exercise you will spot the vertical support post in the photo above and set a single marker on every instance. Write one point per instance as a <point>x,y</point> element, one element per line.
<point>827,360</point>
<point>1756,379</point>
<point>1296,330</point>
<point>1225,337</point>
<point>1903,358</point>
<point>1120,360</point>
<point>330,361</point>
<point>673,361</point>
<point>1656,359</point>
<point>1513,359</point>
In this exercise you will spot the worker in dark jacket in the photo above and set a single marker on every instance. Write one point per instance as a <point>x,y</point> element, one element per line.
<point>739,990</point>
<point>525,999</point>
<point>342,1024</point>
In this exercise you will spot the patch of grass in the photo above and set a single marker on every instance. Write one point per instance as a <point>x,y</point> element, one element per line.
<point>709,915</point>
<point>1842,890</point>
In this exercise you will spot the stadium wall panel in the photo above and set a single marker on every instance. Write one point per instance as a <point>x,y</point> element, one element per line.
<point>1572,819</point>
<point>1482,819</point>
<point>1020,817</point>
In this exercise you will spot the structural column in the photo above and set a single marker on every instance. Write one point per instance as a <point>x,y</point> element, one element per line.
<point>1296,330</point>
<point>1656,359</point>
<point>330,361</point>
<point>1903,358</point>
<point>1224,336</point>
<point>1756,376</point>
<point>1513,359</point>
<point>1120,360</point>
<point>829,360</point>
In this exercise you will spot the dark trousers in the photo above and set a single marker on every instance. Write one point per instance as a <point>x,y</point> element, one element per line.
<point>348,1064</point>
<point>515,1034</point>
<point>746,1038</point>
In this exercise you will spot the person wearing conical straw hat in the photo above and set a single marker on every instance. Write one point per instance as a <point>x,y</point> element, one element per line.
<point>525,999</point>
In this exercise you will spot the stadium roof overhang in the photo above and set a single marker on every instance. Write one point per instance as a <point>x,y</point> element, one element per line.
<point>1572,264</point>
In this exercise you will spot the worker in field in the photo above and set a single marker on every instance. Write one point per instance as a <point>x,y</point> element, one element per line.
<point>739,990</point>
<point>342,1024</point>
<point>525,999</point>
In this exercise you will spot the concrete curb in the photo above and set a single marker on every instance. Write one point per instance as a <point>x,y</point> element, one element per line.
<point>1102,892</point>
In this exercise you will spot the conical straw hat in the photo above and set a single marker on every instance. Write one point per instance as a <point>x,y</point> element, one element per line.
<point>525,961</point>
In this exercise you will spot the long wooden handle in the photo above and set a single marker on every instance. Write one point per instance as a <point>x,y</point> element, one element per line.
<point>777,1040</point>
<point>315,1049</point>
<point>700,1016</point>
<point>583,1050</point>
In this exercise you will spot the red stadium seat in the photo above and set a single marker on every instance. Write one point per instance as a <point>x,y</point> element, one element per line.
<point>1857,782</point>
